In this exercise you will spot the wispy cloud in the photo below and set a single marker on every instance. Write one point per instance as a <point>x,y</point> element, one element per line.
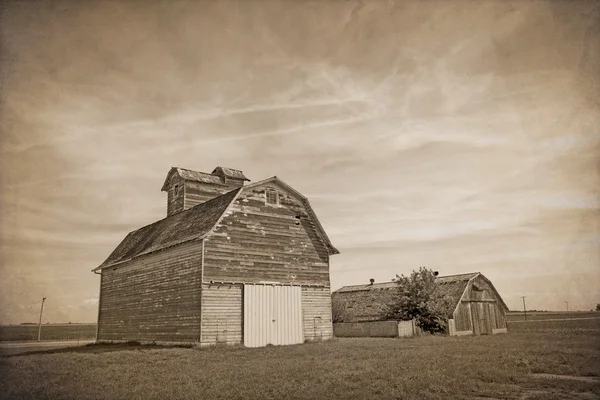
<point>466,143</point>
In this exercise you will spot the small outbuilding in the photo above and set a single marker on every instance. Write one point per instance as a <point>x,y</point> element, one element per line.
<point>479,308</point>
<point>230,263</point>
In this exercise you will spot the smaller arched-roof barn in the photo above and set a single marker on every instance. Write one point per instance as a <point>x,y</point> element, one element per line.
<point>479,307</point>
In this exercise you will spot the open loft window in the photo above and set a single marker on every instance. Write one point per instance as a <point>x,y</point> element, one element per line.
<point>175,190</point>
<point>271,197</point>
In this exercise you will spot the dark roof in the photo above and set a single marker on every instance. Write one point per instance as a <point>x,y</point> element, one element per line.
<point>184,226</point>
<point>194,176</point>
<point>454,286</point>
<point>443,280</point>
<point>230,173</point>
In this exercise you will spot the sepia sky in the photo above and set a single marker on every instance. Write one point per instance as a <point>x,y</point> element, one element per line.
<point>457,135</point>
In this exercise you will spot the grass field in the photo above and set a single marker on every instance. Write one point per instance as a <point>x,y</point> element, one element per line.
<point>538,316</point>
<point>49,332</point>
<point>485,367</point>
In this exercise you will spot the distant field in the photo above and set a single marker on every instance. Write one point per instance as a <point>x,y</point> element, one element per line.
<point>588,326</point>
<point>506,366</point>
<point>512,316</point>
<point>49,332</point>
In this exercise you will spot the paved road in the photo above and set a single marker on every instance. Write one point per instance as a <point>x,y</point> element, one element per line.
<point>10,348</point>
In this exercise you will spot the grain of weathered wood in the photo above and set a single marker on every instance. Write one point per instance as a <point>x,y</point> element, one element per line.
<point>316,306</point>
<point>276,252</point>
<point>222,314</point>
<point>153,296</point>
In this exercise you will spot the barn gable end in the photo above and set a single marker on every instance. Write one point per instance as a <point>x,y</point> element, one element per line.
<point>258,243</point>
<point>481,310</point>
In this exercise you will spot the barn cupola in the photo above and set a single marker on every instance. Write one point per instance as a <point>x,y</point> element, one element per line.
<point>186,188</point>
<point>230,176</point>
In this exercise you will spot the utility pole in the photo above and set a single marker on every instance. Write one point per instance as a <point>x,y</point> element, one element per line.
<point>524,308</point>
<point>40,324</point>
<point>567,303</point>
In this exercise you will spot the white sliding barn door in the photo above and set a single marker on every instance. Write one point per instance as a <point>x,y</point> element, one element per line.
<point>272,315</point>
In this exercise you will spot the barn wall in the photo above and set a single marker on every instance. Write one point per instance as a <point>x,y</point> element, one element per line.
<point>175,202</point>
<point>316,313</point>
<point>390,328</point>
<point>153,298</point>
<point>257,243</point>
<point>361,306</point>
<point>366,329</point>
<point>200,192</point>
<point>462,318</point>
<point>222,315</point>
<point>500,317</point>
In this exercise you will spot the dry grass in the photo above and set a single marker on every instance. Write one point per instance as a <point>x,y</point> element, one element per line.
<point>499,366</point>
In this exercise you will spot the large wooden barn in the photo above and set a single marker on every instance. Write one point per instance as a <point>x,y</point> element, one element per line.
<point>231,263</point>
<point>479,308</point>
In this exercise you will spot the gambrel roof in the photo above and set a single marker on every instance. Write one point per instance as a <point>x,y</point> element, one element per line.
<point>193,224</point>
<point>306,203</point>
<point>445,280</point>
<point>452,286</point>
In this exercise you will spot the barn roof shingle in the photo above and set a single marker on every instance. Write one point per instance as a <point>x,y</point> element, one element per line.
<point>194,176</point>
<point>184,226</point>
<point>452,286</point>
<point>445,281</point>
<point>230,173</point>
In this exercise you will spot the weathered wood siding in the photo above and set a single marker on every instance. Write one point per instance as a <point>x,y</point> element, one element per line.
<point>462,318</point>
<point>200,192</point>
<point>366,329</point>
<point>255,242</point>
<point>175,202</point>
<point>222,314</point>
<point>480,311</point>
<point>153,298</point>
<point>316,313</point>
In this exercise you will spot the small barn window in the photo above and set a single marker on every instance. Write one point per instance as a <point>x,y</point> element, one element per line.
<point>176,190</point>
<point>271,197</point>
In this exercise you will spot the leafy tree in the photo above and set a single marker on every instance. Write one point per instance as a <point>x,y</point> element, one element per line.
<point>419,297</point>
<point>598,307</point>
